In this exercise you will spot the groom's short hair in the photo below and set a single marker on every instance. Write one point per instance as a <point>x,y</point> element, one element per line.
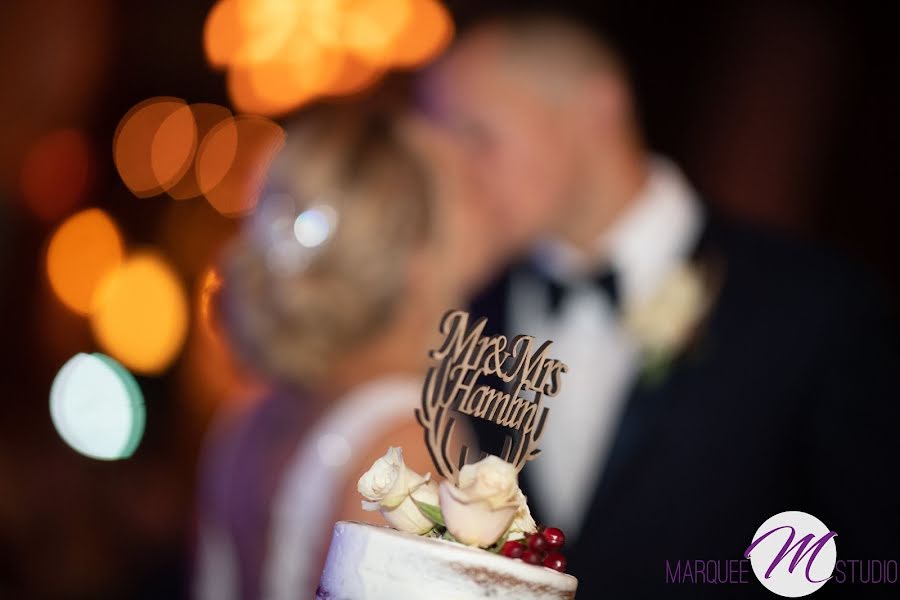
<point>551,41</point>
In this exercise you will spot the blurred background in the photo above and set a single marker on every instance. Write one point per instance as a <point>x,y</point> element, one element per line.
<point>135,133</point>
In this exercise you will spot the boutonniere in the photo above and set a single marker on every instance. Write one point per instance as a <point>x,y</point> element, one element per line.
<point>669,320</point>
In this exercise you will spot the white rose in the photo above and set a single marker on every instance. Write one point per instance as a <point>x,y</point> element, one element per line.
<point>407,517</point>
<point>663,324</point>
<point>481,508</point>
<point>523,523</point>
<point>391,488</point>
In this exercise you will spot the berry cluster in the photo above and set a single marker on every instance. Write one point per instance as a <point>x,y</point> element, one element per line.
<point>539,548</point>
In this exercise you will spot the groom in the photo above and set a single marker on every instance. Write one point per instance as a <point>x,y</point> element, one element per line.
<point>717,375</point>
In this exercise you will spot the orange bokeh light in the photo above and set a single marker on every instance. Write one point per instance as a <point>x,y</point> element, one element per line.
<point>222,33</point>
<point>371,26</point>
<point>82,251</point>
<point>232,162</point>
<point>173,147</point>
<point>428,31</point>
<point>205,116</point>
<point>281,54</point>
<point>155,138</point>
<point>195,150</point>
<point>140,314</point>
<point>56,173</point>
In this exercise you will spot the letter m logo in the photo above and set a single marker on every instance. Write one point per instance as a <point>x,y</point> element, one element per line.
<point>803,547</point>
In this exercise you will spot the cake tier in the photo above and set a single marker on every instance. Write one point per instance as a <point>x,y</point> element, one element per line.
<point>367,562</point>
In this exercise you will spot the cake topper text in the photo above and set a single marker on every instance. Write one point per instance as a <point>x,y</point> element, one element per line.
<point>452,387</point>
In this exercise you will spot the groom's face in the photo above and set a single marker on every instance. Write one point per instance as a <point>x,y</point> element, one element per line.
<point>514,143</point>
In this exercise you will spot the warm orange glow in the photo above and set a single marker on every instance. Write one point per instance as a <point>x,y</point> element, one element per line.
<point>210,286</point>
<point>281,54</point>
<point>232,162</point>
<point>372,26</point>
<point>173,147</point>
<point>210,377</point>
<point>84,249</point>
<point>302,71</point>
<point>427,33</point>
<point>140,315</point>
<point>206,116</point>
<point>268,26</point>
<point>136,138</point>
<point>222,33</point>
<point>56,173</point>
<point>216,154</point>
<point>354,76</point>
<point>270,89</point>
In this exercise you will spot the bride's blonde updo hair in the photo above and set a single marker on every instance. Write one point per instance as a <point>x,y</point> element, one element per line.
<point>324,262</point>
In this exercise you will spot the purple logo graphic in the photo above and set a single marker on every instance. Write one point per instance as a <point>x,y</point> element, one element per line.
<point>800,537</point>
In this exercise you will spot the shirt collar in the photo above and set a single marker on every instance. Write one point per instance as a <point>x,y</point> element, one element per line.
<point>656,233</point>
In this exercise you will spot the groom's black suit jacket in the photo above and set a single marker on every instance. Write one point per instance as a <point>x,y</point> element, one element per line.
<point>786,401</point>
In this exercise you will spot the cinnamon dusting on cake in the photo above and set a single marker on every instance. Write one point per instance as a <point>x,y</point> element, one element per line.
<point>489,578</point>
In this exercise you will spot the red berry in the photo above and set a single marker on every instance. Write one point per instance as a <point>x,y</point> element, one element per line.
<point>537,542</point>
<point>555,538</point>
<point>533,557</point>
<point>513,549</point>
<point>555,561</point>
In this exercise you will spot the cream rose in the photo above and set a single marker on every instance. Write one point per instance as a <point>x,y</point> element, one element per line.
<point>392,488</point>
<point>483,505</point>
<point>523,523</point>
<point>664,323</point>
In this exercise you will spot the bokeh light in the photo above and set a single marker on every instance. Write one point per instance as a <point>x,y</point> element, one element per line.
<point>280,54</point>
<point>140,315</point>
<point>153,145</point>
<point>173,147</point>
<point>97,407</point>
<point>429,29</point>
<point>232,162</point>
<point>165,145</point>
<point>82,251</point>
<point>56,173</point>
<point>206,116</point>
<point>314,226</point>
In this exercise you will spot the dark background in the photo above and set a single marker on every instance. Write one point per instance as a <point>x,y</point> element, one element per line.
<point>782,113</point>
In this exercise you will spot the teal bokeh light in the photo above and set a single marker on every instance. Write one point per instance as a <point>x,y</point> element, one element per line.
<point>97,407</point>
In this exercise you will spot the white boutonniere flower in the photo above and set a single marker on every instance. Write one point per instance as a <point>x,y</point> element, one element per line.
<point>665,323</point>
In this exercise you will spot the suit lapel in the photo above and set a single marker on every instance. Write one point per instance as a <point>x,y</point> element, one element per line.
<point>646,406</point>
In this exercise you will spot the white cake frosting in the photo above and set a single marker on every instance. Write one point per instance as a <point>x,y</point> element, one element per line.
<point>368,562</point>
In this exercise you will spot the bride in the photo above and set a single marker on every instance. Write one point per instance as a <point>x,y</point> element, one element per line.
<point>334,290</point>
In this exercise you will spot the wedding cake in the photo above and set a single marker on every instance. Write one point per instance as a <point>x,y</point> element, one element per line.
<point>369,562</point>
<point>455,541</point>
<point>470,536</point>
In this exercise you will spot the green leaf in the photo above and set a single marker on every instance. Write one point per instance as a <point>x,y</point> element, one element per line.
<point>432,512</point>
<point>449,536</point>
<point>656,369</point>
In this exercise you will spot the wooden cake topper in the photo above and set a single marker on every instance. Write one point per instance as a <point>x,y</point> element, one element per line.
<point>453,387</point>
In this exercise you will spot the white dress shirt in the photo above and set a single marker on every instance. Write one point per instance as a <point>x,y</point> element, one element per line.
<point>654,236</point>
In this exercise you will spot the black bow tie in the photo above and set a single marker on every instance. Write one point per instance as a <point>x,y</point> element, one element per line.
<point>605,280</point>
